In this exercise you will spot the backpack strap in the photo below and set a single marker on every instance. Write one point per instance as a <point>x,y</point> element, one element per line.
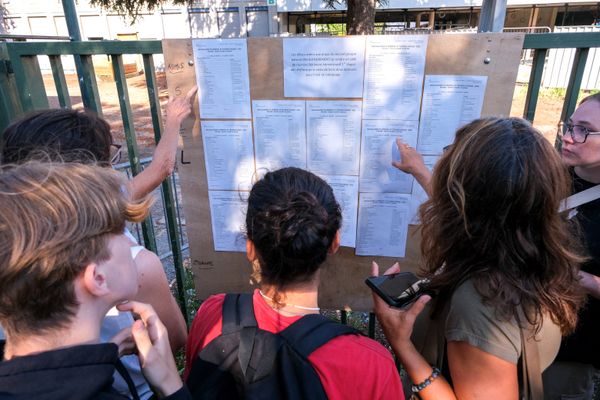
<point>580,198</point>
<point>531,371</point>
<point>238,316</point>
<point>238,312</point>
<point>122,370</point>
<point>313,331</point>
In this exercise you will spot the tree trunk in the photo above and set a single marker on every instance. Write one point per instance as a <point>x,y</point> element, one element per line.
<point>360,17</point>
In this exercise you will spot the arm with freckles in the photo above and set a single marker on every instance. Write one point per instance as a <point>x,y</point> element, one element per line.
<point>164,157</point>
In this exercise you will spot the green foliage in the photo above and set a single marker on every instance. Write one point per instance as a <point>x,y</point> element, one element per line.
<point>333,29</point>
<point>193,302</point>
<point>556,93</point>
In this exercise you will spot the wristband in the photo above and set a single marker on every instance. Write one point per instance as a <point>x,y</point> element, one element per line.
<point>434,374</point>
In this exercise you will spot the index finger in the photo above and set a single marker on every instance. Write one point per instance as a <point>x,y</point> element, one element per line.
<point>374,269</point>
<point>145,311</point>
<point>191,93</point>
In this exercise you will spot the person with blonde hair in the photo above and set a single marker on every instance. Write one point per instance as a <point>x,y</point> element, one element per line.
<point>63,265</point>
<point>502,261</point>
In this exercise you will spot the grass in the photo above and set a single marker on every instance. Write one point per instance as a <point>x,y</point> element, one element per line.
<point>192,303</point>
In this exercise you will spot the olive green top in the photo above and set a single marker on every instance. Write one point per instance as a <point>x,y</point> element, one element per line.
<point>469,320</point>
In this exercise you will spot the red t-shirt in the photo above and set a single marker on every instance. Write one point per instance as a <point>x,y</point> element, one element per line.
<point>349,366</point>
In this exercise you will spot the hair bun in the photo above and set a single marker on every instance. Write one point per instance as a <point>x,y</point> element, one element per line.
<point>303,226</point>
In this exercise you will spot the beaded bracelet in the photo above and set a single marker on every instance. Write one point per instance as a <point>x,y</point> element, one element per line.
<point>434,374</point>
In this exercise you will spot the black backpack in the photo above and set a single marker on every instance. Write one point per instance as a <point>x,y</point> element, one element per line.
<point>246,362</point>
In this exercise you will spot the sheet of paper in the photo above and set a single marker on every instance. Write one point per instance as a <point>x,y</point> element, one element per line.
<point>449,102</point>
<point>382,224</point>
<point>228,218</point>
<point>378,149</point>
<point>279,133</point>
<point>222,76</point>
<point>345,189</point>
<point>333,136</point>
<point>419,196</point>
<point>323,67</point>
<point>228,154</point>
<point>394,69</point>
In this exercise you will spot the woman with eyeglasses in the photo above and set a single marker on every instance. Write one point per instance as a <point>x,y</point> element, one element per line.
<point>81,136</point>
<point>578,361</point>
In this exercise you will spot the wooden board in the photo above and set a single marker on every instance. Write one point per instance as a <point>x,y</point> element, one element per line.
<point>342,287</point>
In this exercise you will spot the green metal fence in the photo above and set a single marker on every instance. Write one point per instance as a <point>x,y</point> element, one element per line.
<point>22,89</point>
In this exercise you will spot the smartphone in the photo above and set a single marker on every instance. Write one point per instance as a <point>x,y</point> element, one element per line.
<point>398,290</point>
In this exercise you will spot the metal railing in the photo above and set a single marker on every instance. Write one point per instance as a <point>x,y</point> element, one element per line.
<point>541,43</point>
<point>22,89</point>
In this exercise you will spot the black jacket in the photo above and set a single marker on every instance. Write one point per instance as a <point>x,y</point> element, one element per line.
<point>82,372</point>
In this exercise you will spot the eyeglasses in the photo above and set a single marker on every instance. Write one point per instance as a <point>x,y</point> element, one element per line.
<point>115,153</point>
<point>578,133</point>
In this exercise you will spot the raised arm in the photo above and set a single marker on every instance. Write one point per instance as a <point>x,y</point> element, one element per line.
<point>411,162</point>
<point>164,157</point>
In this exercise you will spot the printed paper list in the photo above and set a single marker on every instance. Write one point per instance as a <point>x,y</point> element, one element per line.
<point>378,150</point>
<point>333,137</point>
<point>222,75</point>
<point>228,154</point>
<point>394,70</point>
<point>449,101</point>
<point>280,134</point>
<point>382,224</point>
<point>228,216</point>
<point>345,189</point>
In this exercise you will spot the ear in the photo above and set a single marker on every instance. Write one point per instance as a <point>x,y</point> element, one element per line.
<point>335,244</point>
<point>250,250</point>
<point>95,281</point>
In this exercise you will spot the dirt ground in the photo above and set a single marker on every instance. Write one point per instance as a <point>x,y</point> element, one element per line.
<point>547,113</point>
<point>138,97</point>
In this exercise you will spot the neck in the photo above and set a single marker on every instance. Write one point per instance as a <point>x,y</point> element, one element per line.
<point>304,295</point>
<point>590,174</point>
<point>83,328</point>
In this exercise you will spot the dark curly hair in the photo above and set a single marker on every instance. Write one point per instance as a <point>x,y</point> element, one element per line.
<point>59,135</point>
<point>493,218</point>
<point>292,219</point>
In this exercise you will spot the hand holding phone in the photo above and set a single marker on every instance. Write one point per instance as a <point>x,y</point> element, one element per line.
<point>398,290</point>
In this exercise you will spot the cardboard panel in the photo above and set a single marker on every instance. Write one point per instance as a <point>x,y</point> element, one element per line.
<point>342,276</point>
<point>496,55</point>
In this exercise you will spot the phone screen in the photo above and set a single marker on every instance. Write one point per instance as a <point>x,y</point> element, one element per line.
<point>394,285</point>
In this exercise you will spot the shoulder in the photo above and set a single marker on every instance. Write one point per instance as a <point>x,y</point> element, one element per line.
<point>211,306</point>
<point>355,358</point>
<point>470,320</point>
<point>152,279</point>
<point>209,314</point>
<point>207,325</point>
<point>359,346</point>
